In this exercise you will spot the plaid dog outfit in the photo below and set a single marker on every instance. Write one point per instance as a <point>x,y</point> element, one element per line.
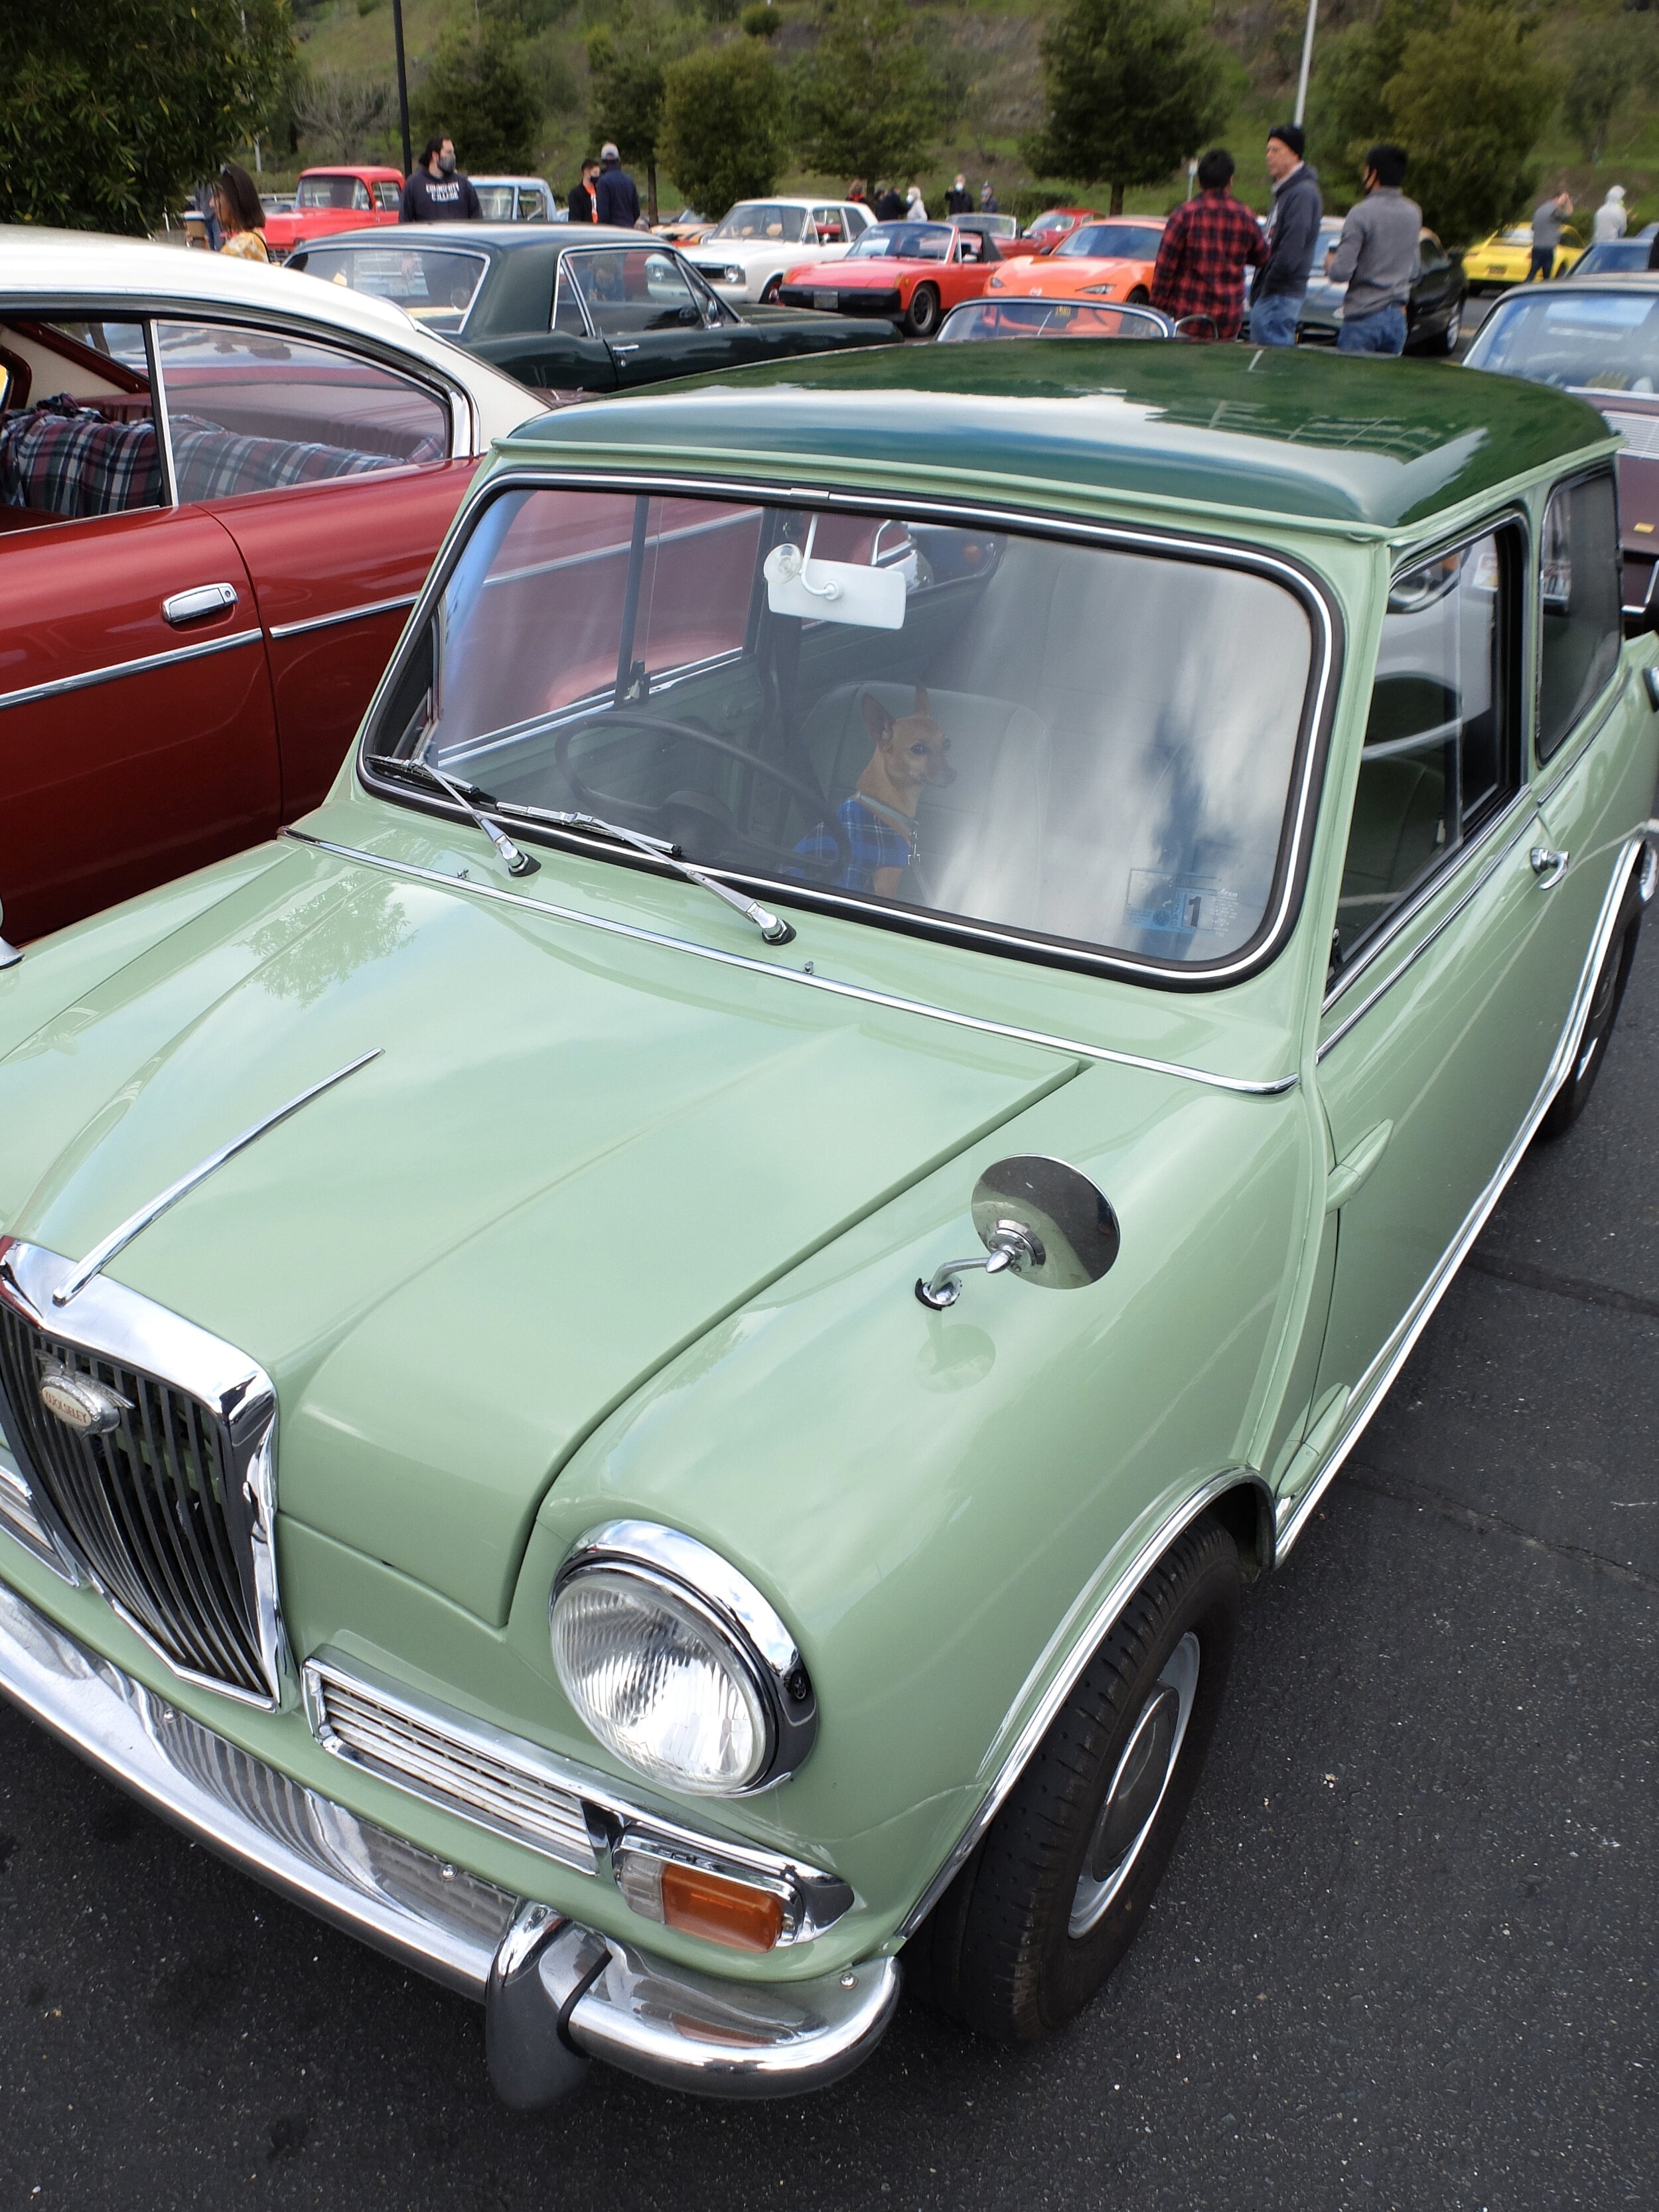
<point>1201,260</point>
<point>879,835</point>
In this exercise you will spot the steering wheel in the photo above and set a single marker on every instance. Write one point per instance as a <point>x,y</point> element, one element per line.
<point>595,802</point>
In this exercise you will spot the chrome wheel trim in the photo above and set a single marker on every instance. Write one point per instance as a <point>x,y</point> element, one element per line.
<point>1454,325</point>
<point>1131,1784</point>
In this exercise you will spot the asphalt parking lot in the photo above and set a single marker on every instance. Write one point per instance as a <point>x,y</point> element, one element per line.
<point>1405,1956</point>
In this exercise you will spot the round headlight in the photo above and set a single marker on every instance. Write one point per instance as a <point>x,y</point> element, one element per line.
<point>677,1664</point>
<point>658,1683</point>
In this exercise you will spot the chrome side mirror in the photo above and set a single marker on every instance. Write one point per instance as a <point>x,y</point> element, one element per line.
<point>9,956</point>
<point>1039,1219</point>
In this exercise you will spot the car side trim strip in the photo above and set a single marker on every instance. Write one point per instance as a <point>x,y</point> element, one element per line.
<point>1274,1088</point>
<point>1375,1384</point>
<point>117,669</point>
<point>405,601</point>
<point>1080,1645</point>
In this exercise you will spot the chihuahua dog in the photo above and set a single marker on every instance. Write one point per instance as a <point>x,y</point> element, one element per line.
<point>909,751</point>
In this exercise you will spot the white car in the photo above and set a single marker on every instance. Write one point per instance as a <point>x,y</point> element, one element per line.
<point>747,252</point>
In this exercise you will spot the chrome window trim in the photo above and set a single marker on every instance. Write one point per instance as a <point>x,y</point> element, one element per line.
<point>121,1325</point>
<point>1273,1087</point>
<point>1296,835</point>
<point>1079,1642</point>
<point>569,254</point>
<point>1607,467</point>
<point>1375,1384</point>
<point>1566,757</point>
<point>158,401</point>
<point>61,685</point>
<point>615,1819</point>
<point>279,631</point>
<point>1400,918</point>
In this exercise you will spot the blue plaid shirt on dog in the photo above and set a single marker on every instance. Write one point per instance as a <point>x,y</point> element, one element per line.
<point>876,839</point>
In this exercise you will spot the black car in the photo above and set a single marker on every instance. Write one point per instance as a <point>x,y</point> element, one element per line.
<point>574,309</point>
<point>1434,313</point>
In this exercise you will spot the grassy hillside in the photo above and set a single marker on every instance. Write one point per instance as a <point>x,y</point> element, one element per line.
<point>990,48</point>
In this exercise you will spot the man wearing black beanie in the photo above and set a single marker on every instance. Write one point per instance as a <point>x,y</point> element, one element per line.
<point>1293,235</point>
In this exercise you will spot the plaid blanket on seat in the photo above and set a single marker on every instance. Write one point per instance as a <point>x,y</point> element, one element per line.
<point>211,463</point>
<point>63,458</point>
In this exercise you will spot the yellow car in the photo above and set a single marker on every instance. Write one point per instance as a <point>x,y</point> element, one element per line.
<point>1505,257</point>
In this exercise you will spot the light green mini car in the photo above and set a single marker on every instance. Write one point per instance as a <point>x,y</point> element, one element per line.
<point>645,1362</point>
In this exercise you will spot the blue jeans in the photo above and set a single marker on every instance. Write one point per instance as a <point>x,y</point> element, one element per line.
<point>1273,319</point>
<point>1383,331</point>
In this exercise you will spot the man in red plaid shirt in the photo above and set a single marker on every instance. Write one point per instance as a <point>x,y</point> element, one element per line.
<point>1207,244</point>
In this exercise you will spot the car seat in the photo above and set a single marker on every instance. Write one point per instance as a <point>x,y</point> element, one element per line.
<point>980,836</point>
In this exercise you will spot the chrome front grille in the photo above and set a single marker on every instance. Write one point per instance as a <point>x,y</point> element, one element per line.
<point>450,1761</point>
<point>168,1511</point>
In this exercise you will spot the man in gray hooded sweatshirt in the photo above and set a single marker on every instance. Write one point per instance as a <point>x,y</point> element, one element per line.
<point>1292,235</point>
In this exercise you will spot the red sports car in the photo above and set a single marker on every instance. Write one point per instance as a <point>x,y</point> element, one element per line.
<point>915,272</point>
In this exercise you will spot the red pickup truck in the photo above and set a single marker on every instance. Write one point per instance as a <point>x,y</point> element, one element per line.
<point>331,200</point>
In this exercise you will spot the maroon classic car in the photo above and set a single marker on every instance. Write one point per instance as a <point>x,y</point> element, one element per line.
<point>221,487</point>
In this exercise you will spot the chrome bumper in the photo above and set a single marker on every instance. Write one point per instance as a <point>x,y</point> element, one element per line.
<point>674,2026</point>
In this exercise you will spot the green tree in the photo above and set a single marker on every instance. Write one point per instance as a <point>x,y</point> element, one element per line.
<point>1610,59</point>
<point>1134,87</point>
<point>866,99</point>
<point>113,108</point>
<point>479,92</point>
<point>723,135</point>
<point>627,69</point>
<point>1463,91</point>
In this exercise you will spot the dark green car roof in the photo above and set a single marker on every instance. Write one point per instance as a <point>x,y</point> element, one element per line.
<point>1287,432</point>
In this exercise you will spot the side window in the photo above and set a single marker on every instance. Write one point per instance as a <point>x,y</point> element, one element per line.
<point>827,225</point>
<point>1580,621</point>
<point>360,198</point>
<point>77,426</point>
<point>1441,755</point>
<point>630,289</point>
<point>567,315</point>
<point>254,411</point>
<point>388,198</point>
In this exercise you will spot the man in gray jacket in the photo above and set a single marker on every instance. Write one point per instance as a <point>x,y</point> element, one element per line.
<point>1293,235</point>
<point>1376,258</point>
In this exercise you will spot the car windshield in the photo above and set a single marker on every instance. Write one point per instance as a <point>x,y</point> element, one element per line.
<point>1589,340</point>
<point>1093,747</point>
<point>904,242</point>
<point>1113,241</point>
<point>1614,255</point>
<point>1048,319</point>
<point>765,219</point>
<point>436,284</point>
<point>1518,234</point>
<point>495,201</point>
<point>332,192</point>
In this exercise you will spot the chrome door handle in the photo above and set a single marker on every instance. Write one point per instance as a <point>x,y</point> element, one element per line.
<point>205,599</point>
<point>1547,865</point>
<point>624,348</point>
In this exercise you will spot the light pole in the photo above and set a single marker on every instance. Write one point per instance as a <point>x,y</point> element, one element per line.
<point>403,82</point>
<point>1307,59</point>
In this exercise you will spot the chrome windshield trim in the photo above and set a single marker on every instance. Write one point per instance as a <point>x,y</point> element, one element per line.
<point>1274,1088</point>
<point>135,1224</point>
<point>116,669</point>
<point>1079,1642</point>
<point>1373,1385</point>
<point>1523,802</point>
<point>405,599</point>
<point>1309,589</point>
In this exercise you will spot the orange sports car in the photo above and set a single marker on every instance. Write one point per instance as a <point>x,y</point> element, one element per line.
<point>1111,260</point>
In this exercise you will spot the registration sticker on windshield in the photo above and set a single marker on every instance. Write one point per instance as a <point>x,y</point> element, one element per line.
<point>1192,905</point>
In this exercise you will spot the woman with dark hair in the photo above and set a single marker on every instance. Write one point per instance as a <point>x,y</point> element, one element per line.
<point>241,218</point>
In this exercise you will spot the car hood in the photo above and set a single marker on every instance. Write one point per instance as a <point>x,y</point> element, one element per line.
<point>575,1153</point>
<point>756,249</point>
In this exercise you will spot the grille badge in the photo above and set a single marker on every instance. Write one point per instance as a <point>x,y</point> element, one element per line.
<point>90,1408</point>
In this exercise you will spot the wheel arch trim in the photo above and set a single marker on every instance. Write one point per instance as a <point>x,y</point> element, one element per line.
<point>1245,1499</point>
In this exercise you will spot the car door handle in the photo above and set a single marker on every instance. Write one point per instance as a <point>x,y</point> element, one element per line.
<point>1345,1177</point>
<point>623,349</point>
<point>1547,865</point>
<point>205,599</point>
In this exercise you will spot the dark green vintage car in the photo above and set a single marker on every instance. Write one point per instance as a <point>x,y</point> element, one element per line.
<point>647,1361</point>
<point>573,310</point>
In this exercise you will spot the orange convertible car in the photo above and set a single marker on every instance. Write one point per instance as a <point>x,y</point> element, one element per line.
<point>1107,260</point>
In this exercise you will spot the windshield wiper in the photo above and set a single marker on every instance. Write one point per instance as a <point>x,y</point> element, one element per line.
<point>773,929</point>
<point>519,863</point>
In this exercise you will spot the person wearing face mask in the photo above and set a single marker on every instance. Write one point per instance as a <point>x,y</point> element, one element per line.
<point>438,191</point>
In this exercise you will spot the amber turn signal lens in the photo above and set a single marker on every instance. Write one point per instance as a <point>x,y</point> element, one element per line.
<point>699,1903</point>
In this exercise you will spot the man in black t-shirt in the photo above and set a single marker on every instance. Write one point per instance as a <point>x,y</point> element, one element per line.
<point>437,192</point>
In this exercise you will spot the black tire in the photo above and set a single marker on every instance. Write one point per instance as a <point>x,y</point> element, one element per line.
<point>923,318</point>
<point>1137,298</point>
<point>1605,999</point>
<point>770,291</point>
<point>999,1952</point>
<point>1444,340</point>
